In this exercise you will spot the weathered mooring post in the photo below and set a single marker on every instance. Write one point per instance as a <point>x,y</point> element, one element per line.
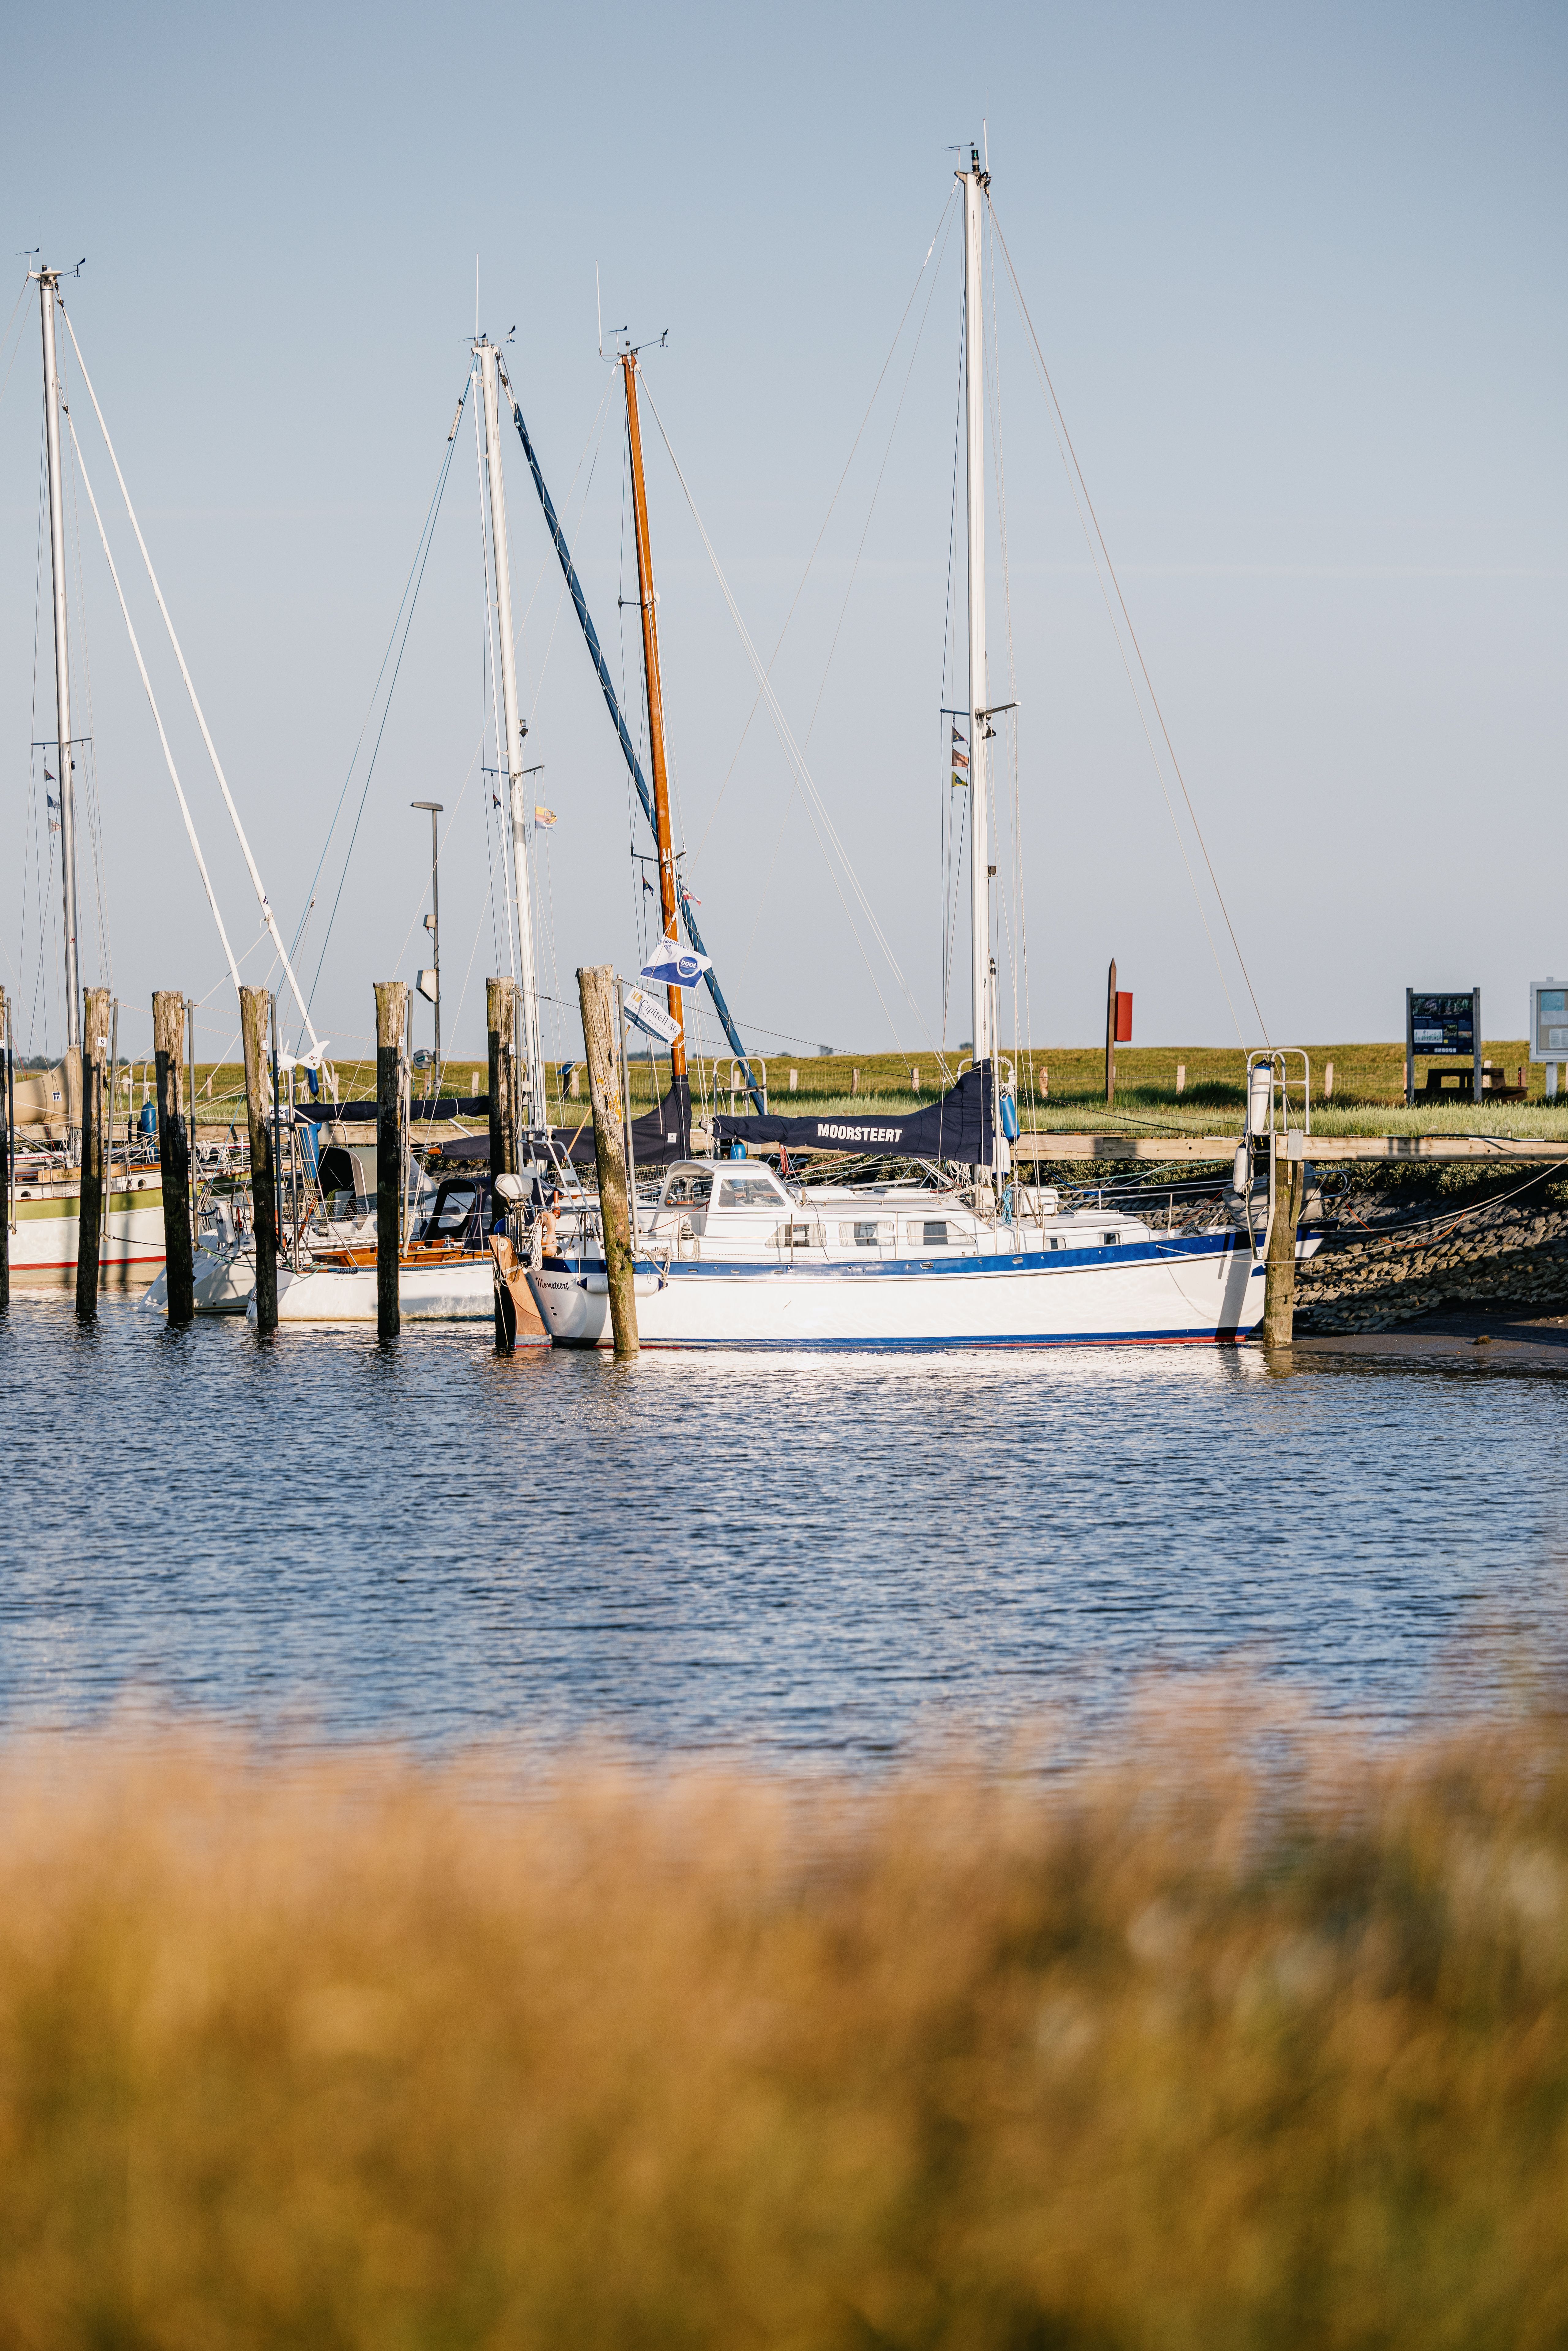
<point>256,1006</point>
<point>195,1155</point>
<point>501,1023</point>
<point>174,1156</point>
<point>391,1023</point>
<point>1110,1036</point>
<point>1289,1178</point>
<point>7,1082</point>
<point>94,1122</point>
<point>596,994</point>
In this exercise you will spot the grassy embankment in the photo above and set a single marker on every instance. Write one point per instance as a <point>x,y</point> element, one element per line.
<point>1058,1086</point>
<point>1180,2054</point>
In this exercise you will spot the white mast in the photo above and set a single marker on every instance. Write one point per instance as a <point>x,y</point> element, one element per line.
<point>49,289</point>
<point>976,182</point>
<point>539,1112</point>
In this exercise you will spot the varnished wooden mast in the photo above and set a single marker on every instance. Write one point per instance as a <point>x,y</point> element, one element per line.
<point>667,882</point>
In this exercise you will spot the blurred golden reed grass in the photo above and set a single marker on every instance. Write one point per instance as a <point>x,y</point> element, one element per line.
<point>1256,2039</point>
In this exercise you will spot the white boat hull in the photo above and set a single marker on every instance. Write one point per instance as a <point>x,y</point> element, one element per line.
<point>44,1240</point>
<point>224,1279</point>
<point>1202,1290</point>
<point>463,1291</point>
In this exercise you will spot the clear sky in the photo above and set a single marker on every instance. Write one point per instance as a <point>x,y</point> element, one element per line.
<point>1298,276</point>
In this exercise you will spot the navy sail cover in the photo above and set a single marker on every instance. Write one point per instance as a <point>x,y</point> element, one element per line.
<point>960,1125</point>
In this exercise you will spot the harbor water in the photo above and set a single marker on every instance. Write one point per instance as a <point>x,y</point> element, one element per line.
<point>783,1557</point>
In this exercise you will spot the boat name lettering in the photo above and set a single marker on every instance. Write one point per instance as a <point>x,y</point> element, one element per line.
<point>858,1133</point>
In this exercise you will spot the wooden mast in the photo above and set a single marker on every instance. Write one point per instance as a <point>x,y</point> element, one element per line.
<point>668,907</point>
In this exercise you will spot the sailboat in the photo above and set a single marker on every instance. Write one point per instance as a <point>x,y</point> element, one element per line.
<point>736,1255</point>
<point>445,1270</point>
<point>46,1189</point>
<point>43,1185</point>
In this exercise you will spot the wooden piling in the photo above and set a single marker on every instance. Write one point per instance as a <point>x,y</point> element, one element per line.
<point>1111,1036</point>
<point>195,1156</point>
<point>1279,1277</point>
<point>392,1025</point>
<point>596,995</point>
<point>94,1126</point>
<point>6,1088</point>
<point>501,1021</point>
<point>174,1156</point>
<point>254,1009</point>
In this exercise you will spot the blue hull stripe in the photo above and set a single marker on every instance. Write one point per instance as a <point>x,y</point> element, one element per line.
<point>1202,1337</point>
<point>833,1268</point>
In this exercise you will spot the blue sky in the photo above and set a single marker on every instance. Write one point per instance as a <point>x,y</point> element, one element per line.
<point>1299,281</point>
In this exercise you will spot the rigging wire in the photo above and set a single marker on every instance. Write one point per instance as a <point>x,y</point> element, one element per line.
<point>1061,420</point>
<point>1018,903</point>
<point>414,567</point>
<point>493,668</point>
<point>30,843</point>
<point>832,502</point>
<point>157,714</point>
<point>410,601</point>
<point>946,824</point>
<point>871,509</point>
<point>859,549</point>
<point>5,338</point>
<point>268,916</point>
<point>489,802</point>
<point>91,798</point>
<point>816,807</point>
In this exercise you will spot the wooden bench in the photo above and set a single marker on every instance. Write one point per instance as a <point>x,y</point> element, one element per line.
<point>1494,1083</point>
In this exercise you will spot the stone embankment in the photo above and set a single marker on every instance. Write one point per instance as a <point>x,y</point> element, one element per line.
<point>1374,1280</point>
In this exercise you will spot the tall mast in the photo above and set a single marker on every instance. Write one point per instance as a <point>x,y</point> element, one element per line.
<point>976,182</point>
<point>646,599</point>
<point>49,293</point>
<point>538,1113</point>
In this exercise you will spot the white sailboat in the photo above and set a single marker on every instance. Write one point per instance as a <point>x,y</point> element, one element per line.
<point>44,1183</point>
<point>735,1255</point>
<point>42,1206</point>
<point>441,1276</point>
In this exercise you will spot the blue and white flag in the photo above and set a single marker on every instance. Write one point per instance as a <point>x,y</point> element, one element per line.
<point>675,965</point>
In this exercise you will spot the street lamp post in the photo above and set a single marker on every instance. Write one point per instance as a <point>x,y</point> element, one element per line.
<point>430,980</point>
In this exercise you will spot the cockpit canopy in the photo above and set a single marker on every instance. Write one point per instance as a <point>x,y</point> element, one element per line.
<point>698,1183</point>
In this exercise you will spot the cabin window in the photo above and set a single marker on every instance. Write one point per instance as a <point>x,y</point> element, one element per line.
<point>688,1187</point>
<point>1110,1239</point>
<point>932,1234</point>
<point>869,1233</point>
<point>799,1236</point>
<point>747,1192</point>
<point>1057,1241</point>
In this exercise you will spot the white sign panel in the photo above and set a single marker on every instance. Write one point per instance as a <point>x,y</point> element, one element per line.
<point>645,1013</point>
<point>1549,1020</point>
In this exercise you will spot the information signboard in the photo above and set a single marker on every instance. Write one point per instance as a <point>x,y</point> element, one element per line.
<point>1443,1023</point>
<point>1548,1020</point>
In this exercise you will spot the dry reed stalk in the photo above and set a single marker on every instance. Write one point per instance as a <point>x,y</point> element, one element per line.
<point>1188,2053</point>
